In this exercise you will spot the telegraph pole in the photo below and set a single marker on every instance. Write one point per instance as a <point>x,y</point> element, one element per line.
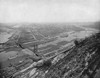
<point>35,49</point>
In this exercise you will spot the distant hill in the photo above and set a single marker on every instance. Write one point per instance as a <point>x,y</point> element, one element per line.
<point>7,27</point>
<point>95,25</point>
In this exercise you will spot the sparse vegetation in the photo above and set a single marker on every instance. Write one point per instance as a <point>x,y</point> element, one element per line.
<point>78,56</point>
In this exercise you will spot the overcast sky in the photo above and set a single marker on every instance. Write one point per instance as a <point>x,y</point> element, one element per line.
<point>15,11</point>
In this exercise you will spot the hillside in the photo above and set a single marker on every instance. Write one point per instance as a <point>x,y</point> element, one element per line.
<point>50,51</point>
<point>82,61</point>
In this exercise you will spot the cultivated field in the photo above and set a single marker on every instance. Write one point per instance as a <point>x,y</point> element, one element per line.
<point>50,40</point>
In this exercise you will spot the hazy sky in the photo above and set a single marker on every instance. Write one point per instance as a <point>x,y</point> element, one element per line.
<point>49,10</point>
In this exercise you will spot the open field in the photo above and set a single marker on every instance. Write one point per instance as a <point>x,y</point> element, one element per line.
<point>47,38</point>
<point>51,40</point>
